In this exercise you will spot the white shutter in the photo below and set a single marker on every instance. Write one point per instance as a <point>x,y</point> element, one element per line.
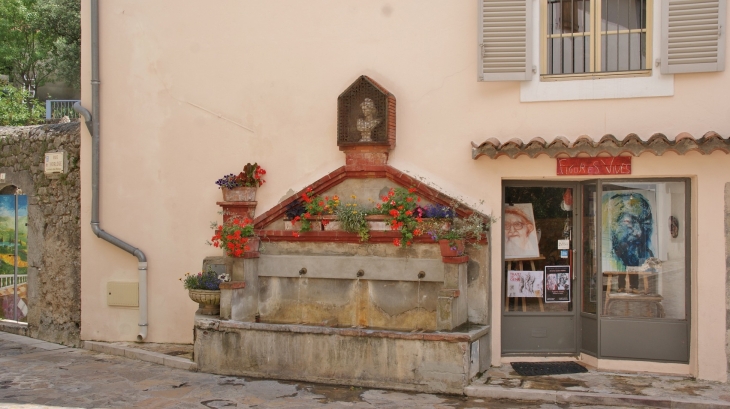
<point>693,36</point>
<point>505,40</point>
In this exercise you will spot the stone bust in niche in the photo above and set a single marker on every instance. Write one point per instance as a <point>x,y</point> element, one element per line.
<point>366,125</point>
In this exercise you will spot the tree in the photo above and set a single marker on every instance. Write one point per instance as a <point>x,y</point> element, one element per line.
<point>18,108</point>
<point>40,40</point>
<point>62,20</point>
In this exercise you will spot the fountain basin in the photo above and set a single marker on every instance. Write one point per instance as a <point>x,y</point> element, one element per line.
<point>441,362</point>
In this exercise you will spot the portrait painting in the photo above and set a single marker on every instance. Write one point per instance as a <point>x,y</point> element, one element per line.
<point>520,234</point>
<point>525,284</point>
<point>629,230</point>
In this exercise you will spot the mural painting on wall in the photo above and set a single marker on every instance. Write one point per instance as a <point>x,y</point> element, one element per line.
<point>7,257</point>
<point>520,234</point>
<point>629,230</point>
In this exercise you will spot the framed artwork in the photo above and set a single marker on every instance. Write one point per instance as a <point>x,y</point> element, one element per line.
<point>528,284</point>
<point>557,284</point>
<point>520,235</point>
<point>629,233</point>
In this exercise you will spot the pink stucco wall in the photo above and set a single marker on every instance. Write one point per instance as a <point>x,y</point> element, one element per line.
<point>192,91</point>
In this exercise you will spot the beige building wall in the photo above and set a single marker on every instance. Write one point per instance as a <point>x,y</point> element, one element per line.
<point>191,91</point>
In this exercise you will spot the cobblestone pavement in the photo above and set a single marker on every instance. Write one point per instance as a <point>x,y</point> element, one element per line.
<point>37,374</point>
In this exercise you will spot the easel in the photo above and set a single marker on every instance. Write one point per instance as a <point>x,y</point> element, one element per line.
<point>520,266</point>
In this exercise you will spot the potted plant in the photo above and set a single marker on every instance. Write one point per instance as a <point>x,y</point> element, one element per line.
<point>204,289</point>
<point>454,233</point>
<point>235,236</point>
<point>242,187</point>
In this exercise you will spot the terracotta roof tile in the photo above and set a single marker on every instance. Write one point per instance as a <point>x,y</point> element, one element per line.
<point>632,144</point>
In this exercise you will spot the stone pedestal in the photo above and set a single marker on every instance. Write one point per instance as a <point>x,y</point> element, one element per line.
<point>452,300</point>
<point>237,209</point>
<point>360,156</point>
<point>244,299</point>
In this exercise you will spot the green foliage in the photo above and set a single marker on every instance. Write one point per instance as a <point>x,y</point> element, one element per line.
<point>40,40</point>
<point>352,220</point>
<point>17,108</point>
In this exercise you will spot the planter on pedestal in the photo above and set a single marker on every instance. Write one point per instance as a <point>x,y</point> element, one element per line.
<point>451,248</point>
<point>239,194</point>
<point>452,251</point>
<point>209,301</point>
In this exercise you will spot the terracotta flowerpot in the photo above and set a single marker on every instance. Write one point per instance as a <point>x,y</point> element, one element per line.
<point>209,301</point>
<point>239,194</point>
<point>457,250</point>
<point>253,244</point>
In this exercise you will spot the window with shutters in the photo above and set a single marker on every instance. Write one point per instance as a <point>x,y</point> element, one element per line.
<point>586,37</point>
<point>631,45</point>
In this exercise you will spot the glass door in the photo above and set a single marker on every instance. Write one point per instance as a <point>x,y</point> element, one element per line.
<point>643,243</point>
<point>539,301</point>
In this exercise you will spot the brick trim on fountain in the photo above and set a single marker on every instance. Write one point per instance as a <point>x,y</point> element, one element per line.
<point>339,175</point>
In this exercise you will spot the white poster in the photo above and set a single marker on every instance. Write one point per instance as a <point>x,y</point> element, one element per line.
<point>527,284</point>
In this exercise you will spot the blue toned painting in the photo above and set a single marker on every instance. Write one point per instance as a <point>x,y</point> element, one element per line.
<point>13,306</point>
<point>629,228</point>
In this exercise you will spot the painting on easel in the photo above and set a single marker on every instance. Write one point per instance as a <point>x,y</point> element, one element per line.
<point>520,234</point>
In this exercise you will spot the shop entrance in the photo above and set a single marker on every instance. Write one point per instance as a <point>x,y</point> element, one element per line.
<point>539,314</point>
<point>599,267</point>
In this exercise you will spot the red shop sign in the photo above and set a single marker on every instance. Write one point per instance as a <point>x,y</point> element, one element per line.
<point>616,165</point>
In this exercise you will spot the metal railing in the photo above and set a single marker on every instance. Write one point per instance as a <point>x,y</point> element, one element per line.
<point>7,280</point>
<point>58,108</point>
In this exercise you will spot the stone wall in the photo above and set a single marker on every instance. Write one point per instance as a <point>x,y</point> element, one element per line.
<point>54,242</point>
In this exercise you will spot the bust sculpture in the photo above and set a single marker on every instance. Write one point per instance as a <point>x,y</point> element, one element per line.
<point>366,125</point>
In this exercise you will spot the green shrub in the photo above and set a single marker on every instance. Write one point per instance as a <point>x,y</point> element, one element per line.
<point>18,108</point>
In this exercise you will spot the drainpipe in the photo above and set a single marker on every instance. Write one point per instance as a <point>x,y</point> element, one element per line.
<point>92,123</point>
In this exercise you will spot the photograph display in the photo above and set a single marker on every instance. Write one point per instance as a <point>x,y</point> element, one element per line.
<point>528,284</point>
<point>519,232</point>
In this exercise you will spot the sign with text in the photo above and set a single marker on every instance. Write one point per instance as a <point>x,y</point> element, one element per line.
<point>54,162</point>
<point>615,165</point>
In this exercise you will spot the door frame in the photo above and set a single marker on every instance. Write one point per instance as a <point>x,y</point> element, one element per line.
<point>575,295</point>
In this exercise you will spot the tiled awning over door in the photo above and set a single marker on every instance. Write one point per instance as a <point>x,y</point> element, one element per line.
<point>609,145</point>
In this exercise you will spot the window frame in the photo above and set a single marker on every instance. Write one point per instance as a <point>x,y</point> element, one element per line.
<point>595,36</point>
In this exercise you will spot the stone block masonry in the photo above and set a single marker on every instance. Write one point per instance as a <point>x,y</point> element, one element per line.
<point>54,232</point>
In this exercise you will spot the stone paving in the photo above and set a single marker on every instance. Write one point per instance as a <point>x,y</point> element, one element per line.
<point>37,374</point>
<point>627,389</point>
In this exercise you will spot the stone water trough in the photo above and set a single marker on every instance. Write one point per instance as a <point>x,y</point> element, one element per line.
<point>345,313</point>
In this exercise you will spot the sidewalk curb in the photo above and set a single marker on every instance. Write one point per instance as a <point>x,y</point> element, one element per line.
<point>558,397</point>
<point>141,355</point>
